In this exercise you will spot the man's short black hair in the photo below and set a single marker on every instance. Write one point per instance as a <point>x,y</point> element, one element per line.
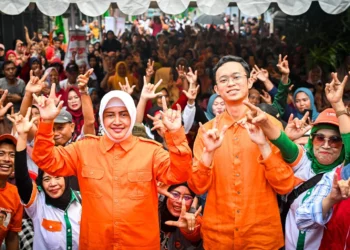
<point>230,58</point>
<point>8,62</point>
<point>4,213</point>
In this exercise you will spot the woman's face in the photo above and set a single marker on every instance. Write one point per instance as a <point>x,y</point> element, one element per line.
<point>93,62</point>
<point>315,75</point>
<point>91,48</point>
<point>54,186</point>
<point>327,146</point>
<point>117,121</point>
<point>200,69</point>
<point>302,102</point>
<point>218,106</point>
<point>159,98</point>
<point>35,113</point>
<point>82,69</point>
<point>74,102</point>
<point>174,205</point>
<point>12,58</point>
<point>122,70</point>
<point>53,77</point>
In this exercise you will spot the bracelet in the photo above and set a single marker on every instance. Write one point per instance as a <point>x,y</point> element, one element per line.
<point>84,92</point>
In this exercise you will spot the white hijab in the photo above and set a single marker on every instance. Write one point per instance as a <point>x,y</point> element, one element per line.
<point>117,98</point>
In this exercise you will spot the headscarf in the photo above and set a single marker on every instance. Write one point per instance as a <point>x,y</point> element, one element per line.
<point>209,113</point>
<point>162,73</point>
<point>165,215</point>
<point>10,52</point>
<point>181,59</point>
<point>117,98</point>
<point>119,79</point>
<point>61,202</point>
<point>77,115</point>
<point>310,73</point>
<point>312,103</point>
<point>315,165</point>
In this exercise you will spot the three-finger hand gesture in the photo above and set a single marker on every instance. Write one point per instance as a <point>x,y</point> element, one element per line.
<point>192,92</point>
<point>48,108</point>
<point>266,97</point>
<point>335,89</point>
<point>148,90</point>
<point>255,115</point>
<point>261,74</point>
<point>212,138</point>
<point>4,109</point>
<point>297,128</point>
<point>186,220</point>
<point>171,118</point>
<point>22,124</point>
<point>158,125</point>
<point>83,80</point>
<point>150,68</point>
<point>190,76</point>
<point>181,71</point>
<point>283,65</point>
<point>35,85</point>
<point>126,88</point>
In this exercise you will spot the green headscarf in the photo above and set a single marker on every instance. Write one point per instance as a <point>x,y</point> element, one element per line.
<point>315,165</point>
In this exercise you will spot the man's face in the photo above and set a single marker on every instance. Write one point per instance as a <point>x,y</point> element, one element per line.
<point>57,44</point>
<point>61,37</point>
<point>62,133</point>
<point>2,219</point>
<point>10,71</point>
<point>7,159</point>
<point>2,52</point>
<point>45,40</point>
<point>72,76</point>
<point>232,82</point>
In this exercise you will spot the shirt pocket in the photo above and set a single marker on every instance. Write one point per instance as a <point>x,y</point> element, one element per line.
<point>92,181</point>
<point>140,184</point>
<point>52,234</point>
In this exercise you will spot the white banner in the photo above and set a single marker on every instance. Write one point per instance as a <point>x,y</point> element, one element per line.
<point>76,47</point>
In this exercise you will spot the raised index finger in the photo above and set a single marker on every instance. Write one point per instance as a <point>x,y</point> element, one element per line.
<point>89,72</point>
<point>44,77</point>
<point>250,106</point>
<point>304,119</point>
<point>165,107</point>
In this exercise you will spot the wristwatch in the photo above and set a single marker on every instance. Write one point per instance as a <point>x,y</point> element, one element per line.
<point>346,111</point>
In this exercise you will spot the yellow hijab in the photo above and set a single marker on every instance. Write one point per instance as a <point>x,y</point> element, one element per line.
<point>114,81</point>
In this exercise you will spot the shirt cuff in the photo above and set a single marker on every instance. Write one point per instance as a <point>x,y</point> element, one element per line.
<point>175,138</point>
<point>272,161</point>
<point>45,128</point>
<point>203,169</point>
<point>318,215</point>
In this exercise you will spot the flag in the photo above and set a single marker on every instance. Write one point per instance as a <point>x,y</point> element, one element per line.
<point>106,13</point>
<point>59,24</point>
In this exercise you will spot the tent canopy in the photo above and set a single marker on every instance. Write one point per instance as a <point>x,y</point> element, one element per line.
<point>138,7</point>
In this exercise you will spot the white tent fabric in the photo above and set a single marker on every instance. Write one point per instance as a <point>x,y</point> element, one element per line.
<point>136,7</point>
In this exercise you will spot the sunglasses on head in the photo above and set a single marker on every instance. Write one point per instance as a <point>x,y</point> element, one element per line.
<point>333,141</point>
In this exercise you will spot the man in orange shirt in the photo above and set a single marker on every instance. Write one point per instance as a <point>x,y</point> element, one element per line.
<point>241,174</point>
<point>117,172</point>
<point>11,209</point>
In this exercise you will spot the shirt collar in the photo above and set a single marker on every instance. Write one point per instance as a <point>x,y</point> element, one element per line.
<point>126,145</point>
<point>226,119</point>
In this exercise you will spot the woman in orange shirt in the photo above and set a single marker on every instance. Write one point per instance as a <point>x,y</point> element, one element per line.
<point>117,172</point>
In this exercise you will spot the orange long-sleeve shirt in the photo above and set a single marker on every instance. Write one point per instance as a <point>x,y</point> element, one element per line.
<point>117,183</point>
<point>241,210</point>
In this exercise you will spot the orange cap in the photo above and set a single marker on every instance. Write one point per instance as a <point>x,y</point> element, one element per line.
<point>327,116</point>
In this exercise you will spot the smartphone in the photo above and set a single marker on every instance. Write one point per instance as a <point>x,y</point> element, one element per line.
<point>308,121</point>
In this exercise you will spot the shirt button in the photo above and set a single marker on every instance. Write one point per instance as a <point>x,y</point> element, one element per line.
<point>115,223</point>
<point>69,247</point>
<point>116,200</point>
<point>68,230</point>
<point>236,156</point>
<point>116,178</point>
<point>91,172</point>
<point>50,226</point>
<point>236,229</point>
<point>238,211</point>
<point>237,175</point>
<point>238,192</point>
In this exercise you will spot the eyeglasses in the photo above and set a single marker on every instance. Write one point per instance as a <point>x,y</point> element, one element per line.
<point>178,195</point>
<point>333,141</point>
<point>234,78</point>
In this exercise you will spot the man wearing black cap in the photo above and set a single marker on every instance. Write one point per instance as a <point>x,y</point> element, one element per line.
<point>63,129</point>
<point>9,198</point>
<point>72,71</point>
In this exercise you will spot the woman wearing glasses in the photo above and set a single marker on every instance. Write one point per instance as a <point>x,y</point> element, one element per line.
<point>179,225</point>
<point>327,148</point>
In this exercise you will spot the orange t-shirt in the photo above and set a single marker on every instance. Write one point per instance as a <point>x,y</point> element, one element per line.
<point>11,211</point>
<point>118,183</point>
<point>241,209</point>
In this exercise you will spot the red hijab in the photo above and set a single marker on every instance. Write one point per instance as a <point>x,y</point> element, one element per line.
<point>77,115</point>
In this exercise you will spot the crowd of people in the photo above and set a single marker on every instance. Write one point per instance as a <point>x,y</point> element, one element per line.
<point>183,138</point>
